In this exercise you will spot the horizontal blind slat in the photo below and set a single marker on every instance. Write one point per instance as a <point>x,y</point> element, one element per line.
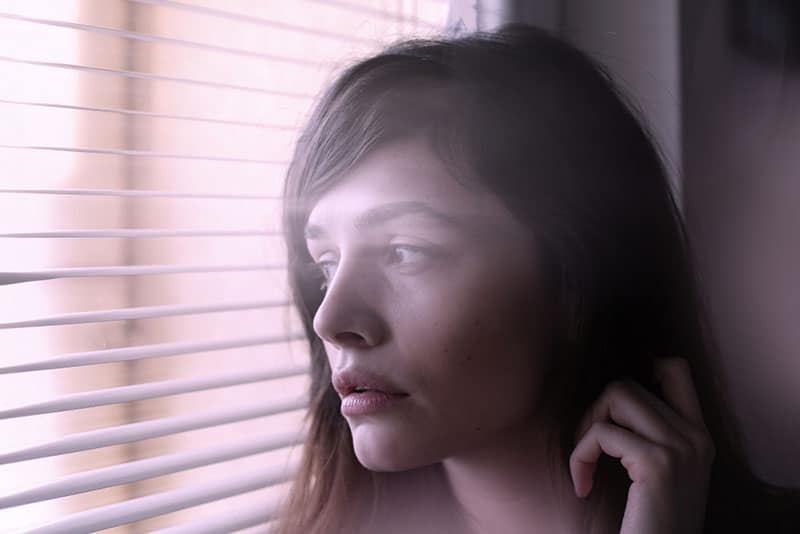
<point>159,77</point>
<point>137,470</point>
<point>94,439</point>
<point>143,154</point>
<point>140,352</point>
<point>124,270</point>
<point>249,19</point>
<point>122,513</point>
<point>132,232</point>
<point>250,516</point>
<point>150,390</point>
<point>377,13</point>
<point>139,193</point>
<point>138,36</point>
<point>142,312</point>
<point>151,114</point>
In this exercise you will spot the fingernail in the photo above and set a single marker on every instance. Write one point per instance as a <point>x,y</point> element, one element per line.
<point>582,492</point>
<point>575,487</point>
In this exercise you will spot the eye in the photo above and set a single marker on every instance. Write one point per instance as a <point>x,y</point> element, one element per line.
<point>319,272</point>
<point>406,254</point>
<point>326,268</point>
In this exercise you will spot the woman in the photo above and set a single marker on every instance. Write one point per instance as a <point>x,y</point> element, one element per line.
<point>504,329</point>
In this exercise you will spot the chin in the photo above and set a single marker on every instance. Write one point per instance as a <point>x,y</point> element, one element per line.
<point>377,451</point>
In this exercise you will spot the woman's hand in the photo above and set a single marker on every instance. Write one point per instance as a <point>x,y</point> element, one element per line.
<point>664,446</point>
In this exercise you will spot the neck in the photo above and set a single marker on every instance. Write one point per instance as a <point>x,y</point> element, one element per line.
<point>508,487</point>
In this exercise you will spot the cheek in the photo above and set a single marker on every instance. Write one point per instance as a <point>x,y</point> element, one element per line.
<point>469,353</point>
<point>492,363</point>
<point>481,369</point>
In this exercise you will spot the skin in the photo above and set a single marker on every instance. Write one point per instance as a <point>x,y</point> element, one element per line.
<point>448,308</point>
<point>664,446</point>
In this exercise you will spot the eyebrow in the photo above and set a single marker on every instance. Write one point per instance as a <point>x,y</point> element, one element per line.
<point>386,212</point>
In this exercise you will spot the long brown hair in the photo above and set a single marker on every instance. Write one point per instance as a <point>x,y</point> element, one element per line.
<point>522,114</point>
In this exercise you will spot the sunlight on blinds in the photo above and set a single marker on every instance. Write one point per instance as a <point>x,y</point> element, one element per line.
<point>154,371</point>
<point>24,126</point>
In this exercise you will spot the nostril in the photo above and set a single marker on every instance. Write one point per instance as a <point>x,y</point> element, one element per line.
<point>347,326</point>
<point>348,338</point>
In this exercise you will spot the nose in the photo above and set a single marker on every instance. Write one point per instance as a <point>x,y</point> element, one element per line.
<point>349,316</point>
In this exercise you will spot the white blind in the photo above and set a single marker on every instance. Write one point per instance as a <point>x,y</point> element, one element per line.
<point>153,372</point>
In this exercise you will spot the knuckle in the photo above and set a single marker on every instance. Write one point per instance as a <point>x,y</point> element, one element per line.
<point>680,365</point>
<point>672,365</point>
<point>662,460</point>
<point>672,360</point>
<point>620,392</point>
<point>599,427</point>
<point>617,388</point>
<point>686,449</point>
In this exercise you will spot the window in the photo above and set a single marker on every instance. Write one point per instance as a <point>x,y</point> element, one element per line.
<point>152,373</point>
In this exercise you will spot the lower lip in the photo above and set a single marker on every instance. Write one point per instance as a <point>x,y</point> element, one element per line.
<point>369,402</point>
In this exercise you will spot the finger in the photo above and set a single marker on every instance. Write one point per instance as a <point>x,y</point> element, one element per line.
<point>606,438</point>
<point>678,388</point>
<point>630,405</point>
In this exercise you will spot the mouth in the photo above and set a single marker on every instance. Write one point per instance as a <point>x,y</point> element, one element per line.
<point>360,382</point>
<point>368,401</point>
<point>358,390</point>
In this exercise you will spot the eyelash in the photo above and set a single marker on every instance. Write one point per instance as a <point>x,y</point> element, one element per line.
<point>319,267</point>
<point>325,277</point>
<point>412,248</point>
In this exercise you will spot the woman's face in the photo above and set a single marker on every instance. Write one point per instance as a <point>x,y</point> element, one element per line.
<point>433,290</point>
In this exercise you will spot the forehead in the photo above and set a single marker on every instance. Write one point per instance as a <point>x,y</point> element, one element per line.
<point>403,171</point>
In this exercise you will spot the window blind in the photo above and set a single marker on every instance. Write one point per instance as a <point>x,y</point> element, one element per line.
<point>154,371</point>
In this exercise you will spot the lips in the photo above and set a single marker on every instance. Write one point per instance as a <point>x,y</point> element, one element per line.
<point>349,381</point>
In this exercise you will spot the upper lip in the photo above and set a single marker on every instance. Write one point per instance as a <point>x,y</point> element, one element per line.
<point>347,380</point>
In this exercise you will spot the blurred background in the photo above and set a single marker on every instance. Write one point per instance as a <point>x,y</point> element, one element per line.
<point>152,375</point>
